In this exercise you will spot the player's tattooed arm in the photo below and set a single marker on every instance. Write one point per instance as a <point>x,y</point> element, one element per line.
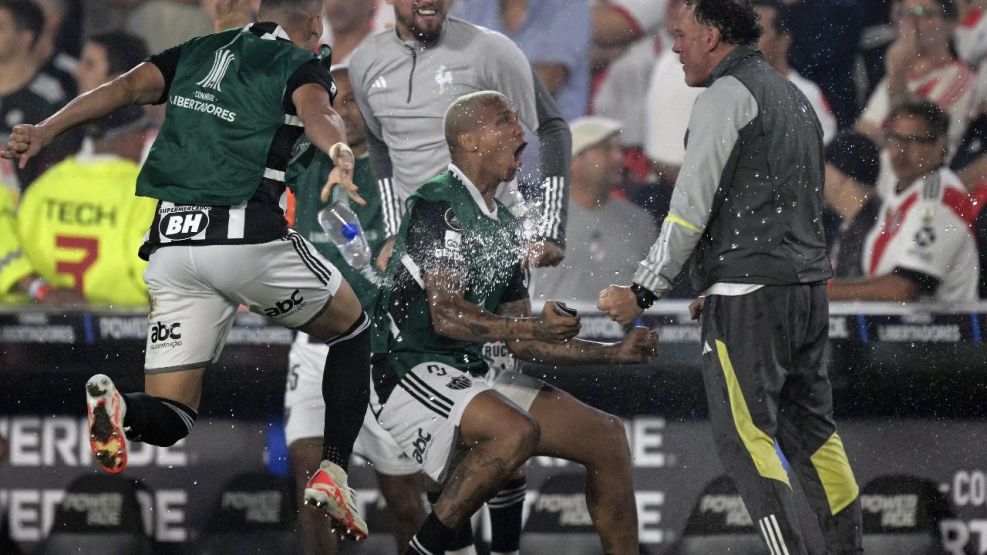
<point>456,318</point>
<point>639,346</point>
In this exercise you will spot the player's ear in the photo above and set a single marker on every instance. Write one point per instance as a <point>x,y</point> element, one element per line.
<point>467,142</point>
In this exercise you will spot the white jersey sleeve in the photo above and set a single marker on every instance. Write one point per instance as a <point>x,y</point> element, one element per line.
<point>878,105</point>
<point>818,102</point>
<point>667,109</point>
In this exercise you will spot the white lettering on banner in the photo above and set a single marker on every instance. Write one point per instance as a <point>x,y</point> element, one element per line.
<point>838,328</point>
<point>690,333</point>
<point>943,333</point>
<point>25,442</point>
<point>732,505</point>
<point>970,488</point>
<point>260,336</point>
<point>31,512</point>
<point>649,504</point>
<point>258,506</point>
<point>897,511</point>
<point>571,508</point>
<point>646,440</point>
<point>102,509</point>
<point>33,334</point>
<point>55,441</point>
<point>600,327</point>
<point>114,327</point>
<point>957,535</point>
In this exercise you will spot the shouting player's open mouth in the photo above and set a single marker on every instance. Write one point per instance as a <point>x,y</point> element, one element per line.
<point>518,162</point>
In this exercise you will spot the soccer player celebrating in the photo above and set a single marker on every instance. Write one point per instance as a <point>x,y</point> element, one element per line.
<point>457,279</point>
<point>236,103</point>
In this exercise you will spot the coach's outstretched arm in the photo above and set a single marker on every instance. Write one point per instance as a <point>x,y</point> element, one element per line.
<point>142,85</point>
<point>721,111</point>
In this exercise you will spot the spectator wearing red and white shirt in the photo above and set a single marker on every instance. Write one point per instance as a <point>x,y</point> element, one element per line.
<point>971,34</point>
<point>921,247</point>
<point>626,42</point>
<point>921,66</point>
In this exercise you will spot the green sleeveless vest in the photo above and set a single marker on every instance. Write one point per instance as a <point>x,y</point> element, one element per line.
<point>225,106</point>
<point>492,250</point>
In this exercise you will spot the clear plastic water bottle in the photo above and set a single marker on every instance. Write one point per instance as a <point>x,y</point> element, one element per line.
<point>345,231</point>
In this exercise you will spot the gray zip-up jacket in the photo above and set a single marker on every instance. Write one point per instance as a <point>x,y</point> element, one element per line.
<point>748,201</point>
<point>404,88</point>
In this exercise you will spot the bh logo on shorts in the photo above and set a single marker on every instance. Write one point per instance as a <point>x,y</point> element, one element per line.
<point>282,308</point>
<point>421,445</point>
<point>183,224</point>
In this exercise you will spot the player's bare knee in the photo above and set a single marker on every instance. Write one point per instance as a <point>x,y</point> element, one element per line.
<point>613,434</point>
<point>522,437</point>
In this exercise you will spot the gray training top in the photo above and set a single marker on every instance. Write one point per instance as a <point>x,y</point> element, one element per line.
<point>747,205</point>
<point>404,88</point>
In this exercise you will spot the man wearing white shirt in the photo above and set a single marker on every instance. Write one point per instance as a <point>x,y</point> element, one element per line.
<point>774,44</point>
<point>668,104</point>
<point>921,246</point>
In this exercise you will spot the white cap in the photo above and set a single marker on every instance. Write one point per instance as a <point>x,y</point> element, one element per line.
<point>590,131</point>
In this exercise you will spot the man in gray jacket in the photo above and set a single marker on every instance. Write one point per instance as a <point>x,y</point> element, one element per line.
<point>747,212</point>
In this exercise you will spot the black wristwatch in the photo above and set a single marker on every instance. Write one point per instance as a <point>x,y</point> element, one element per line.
<point>645,298</point>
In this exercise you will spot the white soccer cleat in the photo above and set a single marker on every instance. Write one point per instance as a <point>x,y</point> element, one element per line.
<point>327,490</point>
<point>106,410</point>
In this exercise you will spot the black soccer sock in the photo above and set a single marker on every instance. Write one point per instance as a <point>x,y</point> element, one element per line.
<point>505,517</point>
<point>462,536</point>
<point>346,391</point>
<point>156,420</point>
<point>432,538</point>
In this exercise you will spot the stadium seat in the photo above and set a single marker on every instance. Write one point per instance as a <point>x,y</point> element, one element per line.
<point>100,514</point>
<point>558,521</point>
<point>254,514</point>
<point>719,523</point>
<point>902,515</point>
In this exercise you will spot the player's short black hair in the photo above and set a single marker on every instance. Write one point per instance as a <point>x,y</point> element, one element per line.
<point>935,117</point>
<point>123,50</point>
<point>780,24</point>
<point>27,16</point>
<point>735,19</point>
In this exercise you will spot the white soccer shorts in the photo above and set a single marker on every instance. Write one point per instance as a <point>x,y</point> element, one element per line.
<point>195,292</point>
<point>305,410</point>
<point>423,412</point>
